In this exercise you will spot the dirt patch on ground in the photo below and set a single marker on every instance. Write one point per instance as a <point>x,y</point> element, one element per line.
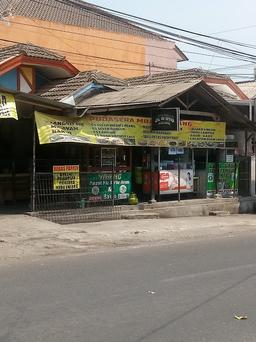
<point>23,236</point>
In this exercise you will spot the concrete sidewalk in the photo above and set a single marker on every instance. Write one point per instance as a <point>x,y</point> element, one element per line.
<point>163,209</point>
<point>25,237</point>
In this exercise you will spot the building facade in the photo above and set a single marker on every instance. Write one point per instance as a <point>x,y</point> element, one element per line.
<point>89,37</point>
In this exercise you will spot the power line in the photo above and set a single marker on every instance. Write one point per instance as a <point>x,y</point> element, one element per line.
<point>234,67</point>
<point>65,4</point>
<point>101,38</point>
<point>96,57</point>
<point>101,58</point>
<point>119,40</point>
<point>212,48</point>
<point>184,39</point>
<point>158,23</point>
<point>236,29</point>
<point>135,24</point>
<point>101,65</point>
<point>169,34</point>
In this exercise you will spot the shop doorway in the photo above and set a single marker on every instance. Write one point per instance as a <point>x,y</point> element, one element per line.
<point>16,140</point>
<point>202,159</point>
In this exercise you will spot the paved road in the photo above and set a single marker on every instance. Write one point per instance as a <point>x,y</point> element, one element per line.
<point>182,292</point>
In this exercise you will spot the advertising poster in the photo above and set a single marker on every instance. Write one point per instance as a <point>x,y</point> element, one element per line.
<point>7,107</point>
<point>169,181</point>
<point>227,179</point>
<point>100,186</point>
<point>66,177</point>
<point>128,131</point>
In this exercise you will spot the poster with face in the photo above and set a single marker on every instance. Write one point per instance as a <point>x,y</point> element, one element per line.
<point>169,183</point>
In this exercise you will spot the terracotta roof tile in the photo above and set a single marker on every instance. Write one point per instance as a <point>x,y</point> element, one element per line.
<point>249,88</point>
<point>29,50</point>
<point>61,89</point>
<point>185,76</point>
<point>80,14</point>
<point>175,76</point>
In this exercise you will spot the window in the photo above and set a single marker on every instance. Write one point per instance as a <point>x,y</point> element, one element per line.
<point>108,157</point>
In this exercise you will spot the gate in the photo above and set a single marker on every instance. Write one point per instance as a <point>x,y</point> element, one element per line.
<point>76,197</point>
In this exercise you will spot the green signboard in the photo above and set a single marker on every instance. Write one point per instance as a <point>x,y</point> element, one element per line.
<point>211,180</point>
<point>227,179</point>
<point>222,178</point>
<point>99,186</point>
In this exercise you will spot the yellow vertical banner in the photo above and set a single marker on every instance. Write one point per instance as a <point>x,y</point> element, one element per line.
<point>7,107</point>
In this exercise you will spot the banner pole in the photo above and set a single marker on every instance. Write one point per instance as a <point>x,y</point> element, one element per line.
<point>113,183</point>
<point>159,169</point>
<point>206,170</point>
<point>33,197</point>
<point>152,172</point>
<point>178,178</point>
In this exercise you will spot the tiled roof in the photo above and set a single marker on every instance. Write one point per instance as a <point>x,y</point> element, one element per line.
<point>187,75</point>
<point>29,50</point>
<point>249,88</point>
<point>175,76</point>
<point>63,88</point>
<point>80,14</point>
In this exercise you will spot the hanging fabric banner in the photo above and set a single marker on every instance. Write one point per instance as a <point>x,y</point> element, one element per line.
<point>128,131</point>
<point>7,107</point>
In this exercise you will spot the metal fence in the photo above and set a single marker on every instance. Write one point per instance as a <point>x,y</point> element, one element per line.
<point>74,205</point>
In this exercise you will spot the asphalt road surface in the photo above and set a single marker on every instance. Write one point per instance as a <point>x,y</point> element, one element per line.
<point>187,291</point>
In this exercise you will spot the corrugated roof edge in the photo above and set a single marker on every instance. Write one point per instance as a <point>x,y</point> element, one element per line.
<point>36,99</point>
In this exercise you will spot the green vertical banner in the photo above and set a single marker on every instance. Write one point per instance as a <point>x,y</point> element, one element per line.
<point>211,180</point>
<point>227,184</point>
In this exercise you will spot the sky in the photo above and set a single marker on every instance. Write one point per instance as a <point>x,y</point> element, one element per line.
<point>229,19</point>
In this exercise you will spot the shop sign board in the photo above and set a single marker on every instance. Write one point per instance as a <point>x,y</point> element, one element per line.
<point>227,183</point>
<point>128,131</point>
<point>166,120</point>
<point>169,183</point>
<point>7,107</point>
<point>66,177</point>
<point>99,186</point>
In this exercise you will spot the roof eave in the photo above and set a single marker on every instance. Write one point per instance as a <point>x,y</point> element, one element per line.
<point>15,61</point>
<point>183,57</point>
<point>37,100</point>
<point>112,108</point>
<point>239,117</point>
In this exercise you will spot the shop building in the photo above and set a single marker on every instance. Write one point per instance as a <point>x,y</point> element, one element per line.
<point>193,159</point>
<point>24,68</point>
<point>90,37</point>
<point>89,139</point>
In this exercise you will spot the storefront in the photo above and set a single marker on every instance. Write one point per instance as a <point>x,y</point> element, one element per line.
<point>17,145</point>
<point>180,172</point>
<point>122,155</point>
<point>109,173</point>
<point>65,161</point>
